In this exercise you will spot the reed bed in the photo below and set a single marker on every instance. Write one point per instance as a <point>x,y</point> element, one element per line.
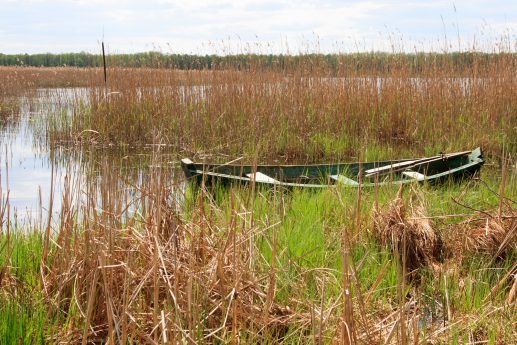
<point>307,113</point>
<point>17,80</point>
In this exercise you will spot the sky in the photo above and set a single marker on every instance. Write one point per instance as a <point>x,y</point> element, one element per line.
<point>256,26</point>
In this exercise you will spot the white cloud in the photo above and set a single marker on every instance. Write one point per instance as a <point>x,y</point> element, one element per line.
<point>199,26</point>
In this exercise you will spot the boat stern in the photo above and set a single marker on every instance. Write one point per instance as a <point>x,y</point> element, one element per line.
<point>477,155</point>
<point>188,167</point>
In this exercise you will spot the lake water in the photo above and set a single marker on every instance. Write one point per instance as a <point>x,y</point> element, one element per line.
<point>29,174</point>
<point>25,167</point>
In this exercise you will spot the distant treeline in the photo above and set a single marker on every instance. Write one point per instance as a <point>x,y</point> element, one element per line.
<point>374,61</point>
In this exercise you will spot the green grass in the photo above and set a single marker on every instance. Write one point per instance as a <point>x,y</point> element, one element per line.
<point>25,316</point>
<point>23,322</point>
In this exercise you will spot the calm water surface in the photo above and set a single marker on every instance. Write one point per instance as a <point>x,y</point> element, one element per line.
<point>27,170</point>
<point>25,167</point>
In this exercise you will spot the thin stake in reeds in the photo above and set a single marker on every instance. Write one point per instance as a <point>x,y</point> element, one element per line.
<point>347,322</point>
<point>105,71</point>
<point>7,205</point>
<point>49,217</point>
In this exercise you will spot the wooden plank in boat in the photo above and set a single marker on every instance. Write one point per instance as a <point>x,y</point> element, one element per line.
<point>415,175</point>
<point>260,177</point>
<point>388,167</point>
<point>344,180</point>
<point>187,161</point>
<point>428,160</point>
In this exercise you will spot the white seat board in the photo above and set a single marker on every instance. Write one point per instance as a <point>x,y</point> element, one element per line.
<point>389,167</point>
<point>260,177</point>
<point>344,180</point>
<point>413,174</point>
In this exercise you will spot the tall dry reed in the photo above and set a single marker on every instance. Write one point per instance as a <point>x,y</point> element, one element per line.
<point>306,113</point>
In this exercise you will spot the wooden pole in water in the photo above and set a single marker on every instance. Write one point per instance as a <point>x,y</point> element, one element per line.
<point>104,64</point>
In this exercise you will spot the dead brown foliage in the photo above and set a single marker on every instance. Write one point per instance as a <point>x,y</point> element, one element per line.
<point>408,233</point>
<point>159,278</point>
<point>487,233</point>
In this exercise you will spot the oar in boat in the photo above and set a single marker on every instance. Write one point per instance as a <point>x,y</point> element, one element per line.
<point>397,167</point>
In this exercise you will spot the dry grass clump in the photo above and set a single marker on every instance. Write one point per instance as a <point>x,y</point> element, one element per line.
<point>488,233</point>
<point>9,285</point>
<point>493,233</point>
<point>408,234</point>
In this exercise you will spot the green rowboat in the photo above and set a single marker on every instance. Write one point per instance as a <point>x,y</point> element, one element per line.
<point>435,169</point>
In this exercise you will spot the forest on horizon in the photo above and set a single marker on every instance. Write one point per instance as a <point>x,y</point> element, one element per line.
<point>367,61</point>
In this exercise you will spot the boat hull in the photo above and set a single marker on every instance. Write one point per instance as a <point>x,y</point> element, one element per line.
<point>431,170</point>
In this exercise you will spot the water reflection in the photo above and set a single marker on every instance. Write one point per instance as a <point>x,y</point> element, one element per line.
<point>32,169</point>
<point>25,172</point>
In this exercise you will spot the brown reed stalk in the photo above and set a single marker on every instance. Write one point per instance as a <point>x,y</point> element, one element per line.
<point>347,324</point>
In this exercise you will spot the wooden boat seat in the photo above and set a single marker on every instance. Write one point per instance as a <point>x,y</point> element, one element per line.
<point>388,167</point>
<point>260,177</point>
<point>344,180</point>
<point>414,174</point>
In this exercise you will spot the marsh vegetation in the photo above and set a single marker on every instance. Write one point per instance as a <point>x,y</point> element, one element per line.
<point>122,250</point>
